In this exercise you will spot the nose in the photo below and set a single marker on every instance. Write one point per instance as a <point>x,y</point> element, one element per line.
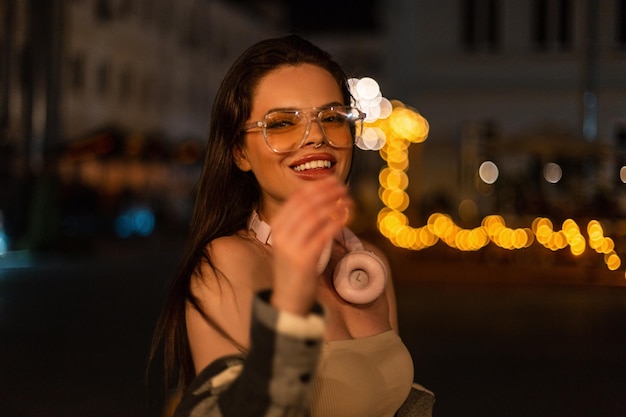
<point>315,134</point>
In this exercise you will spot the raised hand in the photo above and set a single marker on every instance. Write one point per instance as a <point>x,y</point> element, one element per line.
<point>301,229</point>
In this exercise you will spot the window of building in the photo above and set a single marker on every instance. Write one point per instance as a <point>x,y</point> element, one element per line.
<point>620,153</point>
<point>620,24</point>
<point>147,88</point>
<point>126,83</point>
<point>165,14</point>
<point>147,11</point>
<point>166,96</point>
<point>552,25</point>
<point>125,8</point>
<point>103,10</point>
<point>77,71</point>
<point>191,35</point>
<point>480,25</point>
<point>103,79</point>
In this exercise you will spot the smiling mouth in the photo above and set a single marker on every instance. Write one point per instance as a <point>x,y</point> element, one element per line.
<point>318,164</point>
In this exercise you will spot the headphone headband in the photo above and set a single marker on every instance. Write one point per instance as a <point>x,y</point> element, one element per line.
<point>262,230</point>
<point>359,277</point>
<point>263,233</point>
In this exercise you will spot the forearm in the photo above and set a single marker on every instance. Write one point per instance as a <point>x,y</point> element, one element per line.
<point>273,379</point>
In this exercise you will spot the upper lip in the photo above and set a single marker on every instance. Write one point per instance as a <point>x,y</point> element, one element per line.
<point>314,157</point>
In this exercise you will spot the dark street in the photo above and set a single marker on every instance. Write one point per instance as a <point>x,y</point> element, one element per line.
<point>75,331</point>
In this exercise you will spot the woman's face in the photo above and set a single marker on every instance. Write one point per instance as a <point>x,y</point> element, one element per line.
<point>279,175</point>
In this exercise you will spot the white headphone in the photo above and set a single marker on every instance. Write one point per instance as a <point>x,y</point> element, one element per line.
<point>359,277</point>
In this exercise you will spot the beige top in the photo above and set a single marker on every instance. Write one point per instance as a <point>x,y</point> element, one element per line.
<point>371,376</point>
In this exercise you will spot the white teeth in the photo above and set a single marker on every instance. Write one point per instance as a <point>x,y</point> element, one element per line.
<point>312,165</point>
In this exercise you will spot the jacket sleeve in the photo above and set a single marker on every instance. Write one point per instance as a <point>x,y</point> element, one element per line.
<point>275,377</point>
<point>419,403</point>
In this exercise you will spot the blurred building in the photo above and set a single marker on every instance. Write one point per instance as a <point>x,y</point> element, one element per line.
<point>523,84</point>
<point>143,66</point>
<point>114,95</point>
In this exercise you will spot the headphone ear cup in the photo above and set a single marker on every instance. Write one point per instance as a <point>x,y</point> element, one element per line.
<point>360,277</point>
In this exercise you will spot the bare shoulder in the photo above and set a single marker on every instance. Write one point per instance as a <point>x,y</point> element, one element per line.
<point>224,291</point>
<point>236,259</point>
<point>227,248</point>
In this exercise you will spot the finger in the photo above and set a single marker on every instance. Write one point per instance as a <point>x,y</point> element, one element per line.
<point>308,210</point>
<point>321,198</point>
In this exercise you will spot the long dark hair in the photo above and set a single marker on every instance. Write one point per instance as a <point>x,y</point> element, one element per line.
<point>226,195</point>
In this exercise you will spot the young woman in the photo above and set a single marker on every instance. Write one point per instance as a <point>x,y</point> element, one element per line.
<point>278,309</point>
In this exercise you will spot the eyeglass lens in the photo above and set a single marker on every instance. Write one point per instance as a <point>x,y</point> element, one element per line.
<point>286,130</point>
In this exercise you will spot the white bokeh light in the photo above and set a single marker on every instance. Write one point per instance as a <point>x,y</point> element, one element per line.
<point>368,98</point>
<point>372,112</point>
<point>552,172</point>
<point>385,108</point>
<point>367,88</point>
<point>372,139</point>
<point>352,82</point>
<point>488,172</point>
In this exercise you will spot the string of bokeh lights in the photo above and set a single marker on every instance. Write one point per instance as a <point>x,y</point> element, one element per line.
<point>390,128</point>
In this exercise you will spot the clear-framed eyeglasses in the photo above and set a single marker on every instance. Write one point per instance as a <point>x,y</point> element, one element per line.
<point>287,130</point>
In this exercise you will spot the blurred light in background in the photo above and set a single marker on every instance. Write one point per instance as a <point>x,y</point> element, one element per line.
<point>391,133</point>
<point>468,210</point>
<point>366,95</point>
<point>488,172</point>
<point>552,172</point>
<point>622,174</point>
<point>4,240</point>
<point>138,221</point>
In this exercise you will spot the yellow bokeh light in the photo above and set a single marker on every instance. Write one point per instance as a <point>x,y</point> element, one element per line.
<point>544,233</point>
<point>427,238</point>
<point>405,126</point>
<point>542,222</point>
<point>396,155</point>
<point>409,124</point>
<point>397,179</point>
<point>520,238</point>
<point>397,143</point>
<point>530,237</point>
<point>402,165</point>
<point>613,262</point>
<point>607,245</point>
<point>578,247</point>
<point>382,177</point>
<point>397,200</point>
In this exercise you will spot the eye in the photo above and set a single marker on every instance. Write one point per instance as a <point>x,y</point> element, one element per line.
<point>333,117</point>
<point>282,121</point>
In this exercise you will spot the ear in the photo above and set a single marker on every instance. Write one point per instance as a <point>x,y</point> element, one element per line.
<point>241,160</point>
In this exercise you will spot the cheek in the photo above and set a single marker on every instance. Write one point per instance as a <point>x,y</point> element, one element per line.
<point>265,163</point>
<point>346,164</point>
<point>257,153</point>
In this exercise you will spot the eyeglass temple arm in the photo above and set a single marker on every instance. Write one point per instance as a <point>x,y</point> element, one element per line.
<point>253,125</point>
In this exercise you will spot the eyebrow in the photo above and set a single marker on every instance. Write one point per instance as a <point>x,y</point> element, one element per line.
<point>323,106</point>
